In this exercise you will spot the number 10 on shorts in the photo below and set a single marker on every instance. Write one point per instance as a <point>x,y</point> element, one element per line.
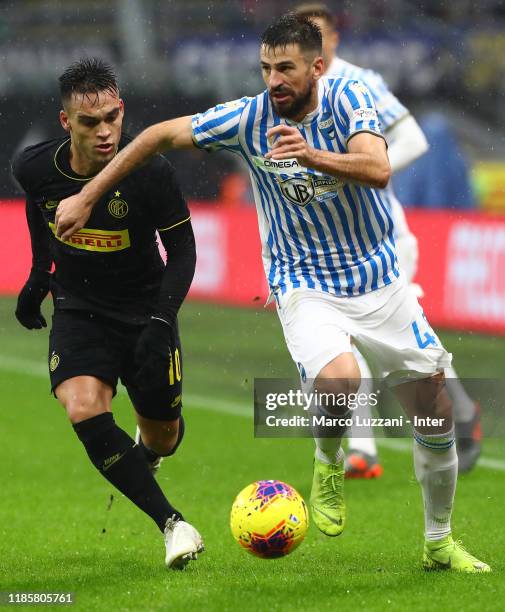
<point>178,374</point>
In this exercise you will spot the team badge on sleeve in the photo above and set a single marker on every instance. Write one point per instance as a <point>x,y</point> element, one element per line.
<point>359,87</point>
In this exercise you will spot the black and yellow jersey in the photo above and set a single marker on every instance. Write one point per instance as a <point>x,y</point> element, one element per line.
<point>113,265</point>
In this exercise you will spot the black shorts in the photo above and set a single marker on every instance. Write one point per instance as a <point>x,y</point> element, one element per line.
<point>85,344</point>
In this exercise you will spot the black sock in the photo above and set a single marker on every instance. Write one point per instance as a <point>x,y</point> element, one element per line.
<point>151,456</point>
<point>122,463</point>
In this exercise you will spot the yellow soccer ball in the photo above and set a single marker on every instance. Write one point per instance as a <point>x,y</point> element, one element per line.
<point>269,519</point>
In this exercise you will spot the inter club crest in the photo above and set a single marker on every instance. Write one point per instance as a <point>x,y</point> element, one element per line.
<point>117,207</point>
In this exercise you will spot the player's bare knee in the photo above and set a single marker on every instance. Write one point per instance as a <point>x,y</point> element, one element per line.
<point>334,393</point>
<point>82,408</point>
<point>436,400</point>
<point>341,375</point>
<point>428,401</point>
<point>83,400</point>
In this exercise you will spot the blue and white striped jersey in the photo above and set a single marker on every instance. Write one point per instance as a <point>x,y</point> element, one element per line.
<point>389,108</point>
<point>317,231</point>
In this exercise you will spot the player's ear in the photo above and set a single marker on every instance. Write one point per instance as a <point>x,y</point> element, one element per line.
<point>335,40</point>
<point>65,124</point>
<point>318,67</point>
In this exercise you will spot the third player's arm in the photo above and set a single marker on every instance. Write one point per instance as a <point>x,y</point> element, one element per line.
<point>406,141</point>
<point>73,212</point>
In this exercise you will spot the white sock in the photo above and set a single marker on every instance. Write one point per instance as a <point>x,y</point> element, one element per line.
<point>362,438</point>
<point>436,467</point>
<point>463,404</point>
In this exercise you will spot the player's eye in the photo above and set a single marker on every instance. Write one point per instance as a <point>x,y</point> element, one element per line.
<point>88,122</point>
<point>112,116</point>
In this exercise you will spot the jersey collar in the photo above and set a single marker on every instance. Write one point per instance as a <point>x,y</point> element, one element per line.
<point>62,163</point>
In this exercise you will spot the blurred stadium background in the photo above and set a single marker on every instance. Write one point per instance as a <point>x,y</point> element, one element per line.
<point>446,62</point>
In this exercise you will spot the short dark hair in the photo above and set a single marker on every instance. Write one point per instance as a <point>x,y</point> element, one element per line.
<point>317,10</point>
<point>292,29</point>
<point>90,75</point>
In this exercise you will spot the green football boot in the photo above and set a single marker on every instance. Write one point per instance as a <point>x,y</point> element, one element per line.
<point>446,554</point>
<point>327,497</point>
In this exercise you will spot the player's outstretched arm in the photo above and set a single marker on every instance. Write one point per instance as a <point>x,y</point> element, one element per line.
<point>366,161</point>
<point>73,212</point>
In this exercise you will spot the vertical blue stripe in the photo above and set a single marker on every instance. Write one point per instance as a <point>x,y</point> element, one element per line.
<point>320,231</point>
<point>343,221</point>
<point>361,242</point>
<point>287,212</point>
<point>387,231</point>
<point>374,242</point>
<point>264,197</point>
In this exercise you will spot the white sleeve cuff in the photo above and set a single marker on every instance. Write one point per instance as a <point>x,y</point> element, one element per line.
<point>406,142</point>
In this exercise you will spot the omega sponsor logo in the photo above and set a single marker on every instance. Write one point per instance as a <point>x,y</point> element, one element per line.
<point>289,163</point>
<point>281,166</point>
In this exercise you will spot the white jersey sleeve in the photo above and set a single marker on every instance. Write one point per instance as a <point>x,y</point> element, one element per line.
<point>406,142</point>
<point>356,110</point>
<point>218,127</point>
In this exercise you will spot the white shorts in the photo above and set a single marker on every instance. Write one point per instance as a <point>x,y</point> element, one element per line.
<point>387,325</point>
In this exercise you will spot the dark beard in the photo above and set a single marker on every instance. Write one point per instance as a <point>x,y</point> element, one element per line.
<point>297,105</point>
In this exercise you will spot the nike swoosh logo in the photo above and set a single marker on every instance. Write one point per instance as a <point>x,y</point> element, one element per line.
<point>112,460</point>
<point>330,518</point>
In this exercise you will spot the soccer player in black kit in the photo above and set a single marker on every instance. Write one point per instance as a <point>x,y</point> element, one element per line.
<point>115,302</point>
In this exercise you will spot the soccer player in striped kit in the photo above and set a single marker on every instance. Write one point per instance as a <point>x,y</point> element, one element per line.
<point>317,160</point>
<point>406,143</point>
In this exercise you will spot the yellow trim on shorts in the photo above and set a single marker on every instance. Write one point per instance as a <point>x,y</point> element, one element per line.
<point>165,229</point>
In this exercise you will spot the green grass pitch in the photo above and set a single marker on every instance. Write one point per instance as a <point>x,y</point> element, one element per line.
<point>56,534</point>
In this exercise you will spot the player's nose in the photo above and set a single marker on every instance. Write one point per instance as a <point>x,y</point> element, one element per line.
<point>274,80</point>
<point>104,131</point>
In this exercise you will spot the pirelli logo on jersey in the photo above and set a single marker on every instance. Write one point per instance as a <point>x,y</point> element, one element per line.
<point>102,241</point>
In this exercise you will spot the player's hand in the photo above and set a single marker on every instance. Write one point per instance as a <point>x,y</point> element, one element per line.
<point>153,354</point>
<point>288,142</point>
<point>71,215</point>
<point>31,297</point>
